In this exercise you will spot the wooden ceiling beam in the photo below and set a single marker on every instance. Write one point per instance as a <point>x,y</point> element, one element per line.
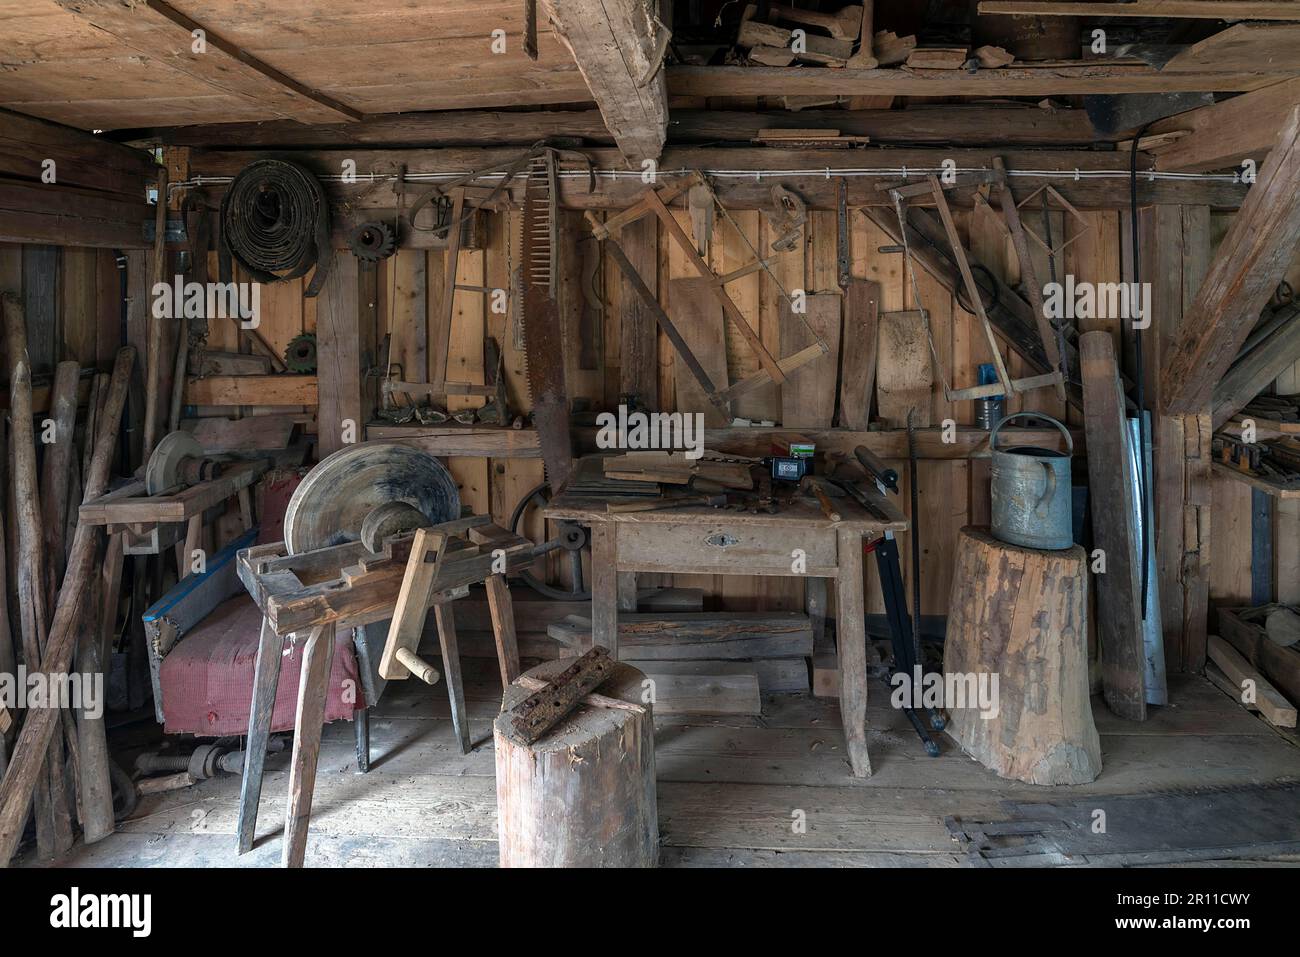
<point>431,129</point>
<point>80,159</point>
<point>1254,255</point>
<point>960,124</point>
<point>1183,9</point>
<point>155,30</point>
<point>614,46</point>
<point>1067,80</point>
<point>1226,133</point>
<point>810,173</point>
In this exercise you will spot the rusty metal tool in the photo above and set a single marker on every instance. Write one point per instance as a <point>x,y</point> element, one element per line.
<point>540,712</point>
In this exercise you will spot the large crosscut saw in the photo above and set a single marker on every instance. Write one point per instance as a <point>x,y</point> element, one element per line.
<point>543,333</point>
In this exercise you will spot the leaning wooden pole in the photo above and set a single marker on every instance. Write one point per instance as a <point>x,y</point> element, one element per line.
<point>53,826</point>
<point>154,357</point>
<point>25,763</point>
<point>56,470</point>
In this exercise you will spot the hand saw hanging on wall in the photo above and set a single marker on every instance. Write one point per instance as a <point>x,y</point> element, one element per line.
<point>543,332</point>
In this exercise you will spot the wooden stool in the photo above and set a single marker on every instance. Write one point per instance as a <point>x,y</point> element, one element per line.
<point>1020,613</point>
<point>583,795</point>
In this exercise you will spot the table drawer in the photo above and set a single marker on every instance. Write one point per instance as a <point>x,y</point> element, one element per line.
<point>724,548</point>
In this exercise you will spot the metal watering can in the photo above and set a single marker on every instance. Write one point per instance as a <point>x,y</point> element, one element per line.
<point>1031,491</point>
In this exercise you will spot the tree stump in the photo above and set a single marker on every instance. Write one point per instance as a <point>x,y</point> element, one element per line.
<point>582,795</point>
<point>1020,613</point>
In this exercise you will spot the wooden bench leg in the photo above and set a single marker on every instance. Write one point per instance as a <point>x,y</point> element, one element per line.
<point>313,688</point>
<point>266,678</point>
<point>851,636</point>
<point>503,628</point>
<point>451,672</point>
<point>604,588</point>
<point>626,587</point>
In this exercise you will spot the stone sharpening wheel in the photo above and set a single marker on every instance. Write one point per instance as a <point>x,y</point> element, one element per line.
<point>367,493</point>
<point>178,460</point>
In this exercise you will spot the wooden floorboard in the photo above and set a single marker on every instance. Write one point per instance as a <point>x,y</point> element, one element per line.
<point>730,789</point>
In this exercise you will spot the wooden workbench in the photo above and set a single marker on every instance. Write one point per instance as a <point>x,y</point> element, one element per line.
<point>714,541</point>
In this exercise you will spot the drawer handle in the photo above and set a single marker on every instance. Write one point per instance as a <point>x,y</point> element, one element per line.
<point>721,540</point>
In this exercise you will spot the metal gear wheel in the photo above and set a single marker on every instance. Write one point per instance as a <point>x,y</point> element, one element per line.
<point>372,241</point>
<point>300,354</point>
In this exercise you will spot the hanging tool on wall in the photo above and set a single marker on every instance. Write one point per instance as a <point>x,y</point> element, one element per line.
<point>1005,384</point>
<point>275,223</point>
<point>542,328</point>
<point>655,201</point>
<point>842,234</point>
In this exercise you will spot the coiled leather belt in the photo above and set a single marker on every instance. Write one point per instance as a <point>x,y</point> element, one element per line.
<point>275,222</point>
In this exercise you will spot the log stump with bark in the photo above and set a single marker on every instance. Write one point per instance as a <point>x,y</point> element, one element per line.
<point>583,794</point>
<point>1020,613</point>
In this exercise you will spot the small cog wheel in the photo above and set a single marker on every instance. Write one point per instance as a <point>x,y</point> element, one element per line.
<point>300,354</point>
<point>372,241</point>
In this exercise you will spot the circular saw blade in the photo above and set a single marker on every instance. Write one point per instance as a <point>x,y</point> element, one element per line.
<point>330,506</point>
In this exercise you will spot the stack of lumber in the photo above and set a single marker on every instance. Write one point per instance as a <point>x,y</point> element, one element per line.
<point>1256,660</point>
<point>701,662</point>
<point>707,662</point>
<point>674,468</point>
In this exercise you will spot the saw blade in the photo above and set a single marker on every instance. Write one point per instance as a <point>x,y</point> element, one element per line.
<point>542,330</point>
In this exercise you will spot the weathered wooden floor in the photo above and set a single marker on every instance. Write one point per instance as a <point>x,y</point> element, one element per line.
<point>729,789</point>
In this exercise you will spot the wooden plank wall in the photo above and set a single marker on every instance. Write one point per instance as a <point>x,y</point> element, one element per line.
<point>402,299</point>
<point>407,308</point>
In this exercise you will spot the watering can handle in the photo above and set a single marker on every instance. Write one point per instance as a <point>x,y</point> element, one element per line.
<point>993,436</point>
<point>1049,485</point>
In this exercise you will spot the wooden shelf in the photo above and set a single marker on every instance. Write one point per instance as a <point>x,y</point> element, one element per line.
<point>1254,481</point>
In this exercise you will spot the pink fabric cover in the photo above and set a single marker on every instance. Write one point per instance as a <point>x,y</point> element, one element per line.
<point>207,678</point>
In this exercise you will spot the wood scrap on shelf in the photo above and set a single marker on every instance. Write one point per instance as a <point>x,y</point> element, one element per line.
<point>937,58</point>
<point>674,468</point>
<point>770,44</point>
<point>890,49</point>
<point>1272,466</point>
<point>809,139</point>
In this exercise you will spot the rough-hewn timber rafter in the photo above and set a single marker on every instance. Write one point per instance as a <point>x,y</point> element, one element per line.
<point>1060,80</point>
<point>1254,255</point>
<point>614,44</point>
<point>1228,132</point>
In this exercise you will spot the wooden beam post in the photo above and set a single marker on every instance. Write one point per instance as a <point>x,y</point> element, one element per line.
<point>1254,255</point>
<point>615,44</point>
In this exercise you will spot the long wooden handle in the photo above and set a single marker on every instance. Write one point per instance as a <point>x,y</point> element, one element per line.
<point>417,666</point>
<point>827,508</point>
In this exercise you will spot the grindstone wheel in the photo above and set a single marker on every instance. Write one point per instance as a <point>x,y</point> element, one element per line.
<point>163,469</point>
<point>332,504</point>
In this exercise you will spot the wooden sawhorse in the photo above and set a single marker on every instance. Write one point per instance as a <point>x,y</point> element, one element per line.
<point>347,586</point>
